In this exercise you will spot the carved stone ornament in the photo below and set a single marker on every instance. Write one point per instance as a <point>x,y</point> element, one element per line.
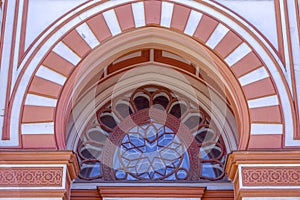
<point>31,177</point>
<point>271,176</point>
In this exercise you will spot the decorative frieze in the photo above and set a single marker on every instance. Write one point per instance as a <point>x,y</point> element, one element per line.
<point>265,174</point>
<point>31,177</point>
<point>37,174</point>
<point>270,176</point>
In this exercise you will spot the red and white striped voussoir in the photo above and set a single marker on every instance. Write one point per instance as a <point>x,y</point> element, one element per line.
<point>249,69</point>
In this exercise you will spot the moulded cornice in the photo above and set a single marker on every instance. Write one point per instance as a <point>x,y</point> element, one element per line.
<point>260,173</point>
<point>260,157</point>
<point>269,193</point>
<point>37,173</point>
<point>42,158</point>
<point>179,192</point>
<point>171,192</point>
<point>36,194</point>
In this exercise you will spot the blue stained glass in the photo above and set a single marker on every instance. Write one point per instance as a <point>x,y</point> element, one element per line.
<point>120,174</point>
<point>181,174</point>
<point>208,170</point>
<point>127,145</point>
<point>90,169</point>
<point>137,141</point>
<point>96,169</point>
<point>156,153</point>
<point>151,149</point>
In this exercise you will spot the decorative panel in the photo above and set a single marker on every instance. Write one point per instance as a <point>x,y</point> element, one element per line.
<point>271,176</point>
<point>31,177</point>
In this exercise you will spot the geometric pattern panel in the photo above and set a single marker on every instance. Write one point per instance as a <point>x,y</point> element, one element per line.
<point>37,174</point>
<point>271,176</point>
<point>31,177</point>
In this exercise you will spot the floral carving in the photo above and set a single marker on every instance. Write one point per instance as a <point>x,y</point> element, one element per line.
<point>30,177</point>
<point>271,176</point>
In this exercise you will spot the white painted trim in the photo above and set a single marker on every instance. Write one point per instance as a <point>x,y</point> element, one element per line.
<point>38,128</point>
<point>234,26</point>
<point>65,52</point>
<point>5,63</point>
<point>42,50</point>
<point>193,22</point>
<point>17,45</point>
<point>197,71</point>
<point>263,102</point>
<point>254,76</point>
<point>87,35</point>
<point>265,129</point>
<point>50,75</point>
<point>240,52</point>
<point>81,17</point>
<point>166,14</point>
<point>36,100</point>
<point>270,165</point>
<point>295,44</point>
<point>151,59</point>
<point>64,175</point>
<point>138,14</point>
<point>216,37</point>
<point>285,44</point>
<point>287,107</point>
<point>112,22</point>
<point>264,165</point>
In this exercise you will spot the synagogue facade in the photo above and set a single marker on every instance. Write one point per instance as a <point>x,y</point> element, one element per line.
<point>150,99</point>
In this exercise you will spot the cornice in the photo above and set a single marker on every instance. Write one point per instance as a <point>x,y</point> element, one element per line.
<point>260,157</point>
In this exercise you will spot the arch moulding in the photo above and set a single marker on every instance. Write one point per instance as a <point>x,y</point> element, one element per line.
<point>100,31</point>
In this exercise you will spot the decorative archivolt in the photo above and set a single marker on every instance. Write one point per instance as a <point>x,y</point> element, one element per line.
<point>95,24</point>
<point>198,88</point>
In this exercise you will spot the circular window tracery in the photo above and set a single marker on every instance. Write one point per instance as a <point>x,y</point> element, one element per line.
<point>150,151</point>
<point>148,135</point>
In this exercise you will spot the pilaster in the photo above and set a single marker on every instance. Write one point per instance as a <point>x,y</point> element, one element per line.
<point>263,174</point>
<point>37,175</point>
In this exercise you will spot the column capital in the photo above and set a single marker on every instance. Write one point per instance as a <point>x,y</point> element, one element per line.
<point>41,174</point>
<point>264,173</point>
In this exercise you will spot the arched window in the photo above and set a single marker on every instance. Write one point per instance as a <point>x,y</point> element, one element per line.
<point>151,134</point>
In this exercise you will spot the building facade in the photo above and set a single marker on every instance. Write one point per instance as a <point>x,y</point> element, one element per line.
<point>131,99</point>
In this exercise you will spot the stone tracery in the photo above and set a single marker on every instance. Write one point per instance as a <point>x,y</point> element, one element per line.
<point>152,134</point>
